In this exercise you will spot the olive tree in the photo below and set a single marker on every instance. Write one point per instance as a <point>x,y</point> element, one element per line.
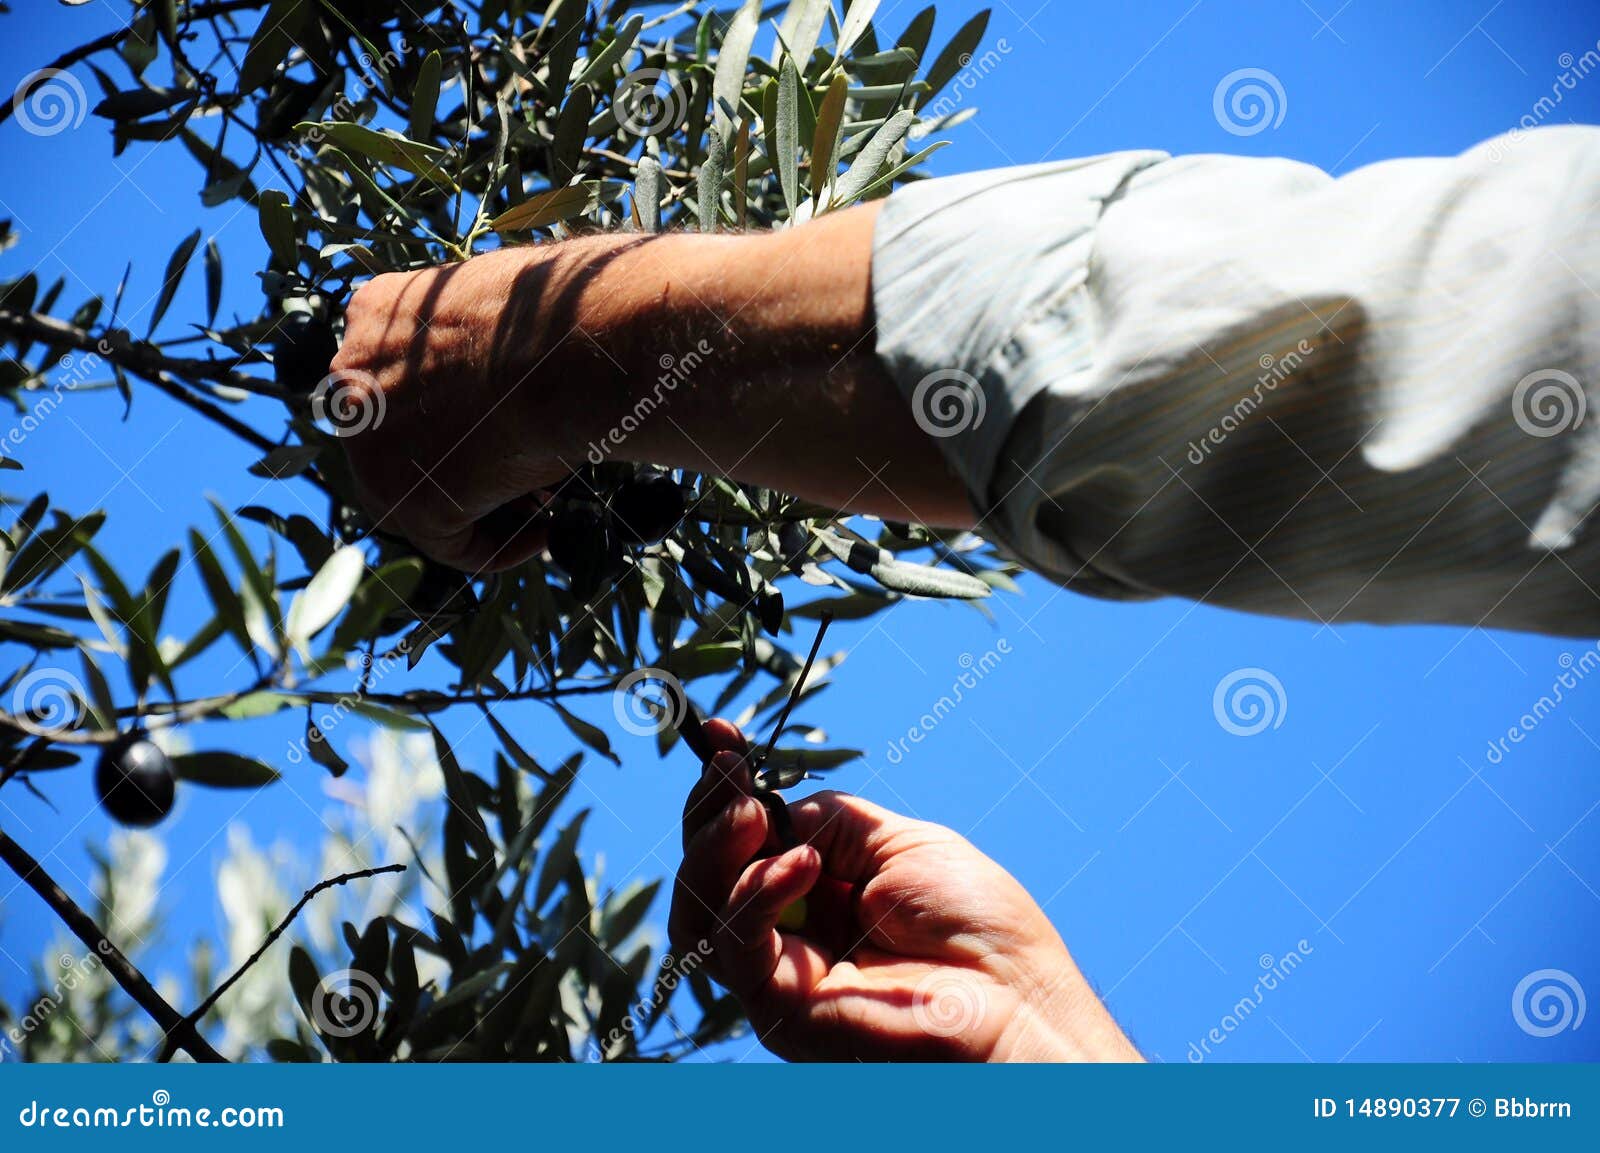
<point>365,137</point>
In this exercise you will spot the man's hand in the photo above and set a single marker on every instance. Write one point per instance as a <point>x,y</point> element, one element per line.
<point>478,387</point>
<point>915,946</point>
<point>462,381</point>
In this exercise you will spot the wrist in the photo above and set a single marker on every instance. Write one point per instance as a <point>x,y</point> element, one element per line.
<point>1061,1019</point>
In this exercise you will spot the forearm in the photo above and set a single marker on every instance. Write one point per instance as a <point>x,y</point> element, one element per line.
<point>751,356</point>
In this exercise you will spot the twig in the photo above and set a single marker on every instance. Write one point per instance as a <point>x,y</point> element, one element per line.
<point>211,411</point>
<point>134,355</point>
<point>423,703</point>
<point>180,1031</point>
<point>197,1014</point>
<point>823,622</point>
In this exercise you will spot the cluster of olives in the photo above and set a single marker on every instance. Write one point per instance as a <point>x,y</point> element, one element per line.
<point>135,781</point>
<point>588,535</point>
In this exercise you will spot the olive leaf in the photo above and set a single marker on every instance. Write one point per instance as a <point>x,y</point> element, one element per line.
<point>325,597</point>
<point>223,770</point>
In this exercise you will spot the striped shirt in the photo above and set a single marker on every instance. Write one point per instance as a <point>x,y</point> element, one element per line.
<point>1247,382</point>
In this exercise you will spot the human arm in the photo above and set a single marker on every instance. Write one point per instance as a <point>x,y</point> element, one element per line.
<point>1235,380</point>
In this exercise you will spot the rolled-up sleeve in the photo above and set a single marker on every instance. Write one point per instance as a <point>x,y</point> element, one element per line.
<point>1246,382</point>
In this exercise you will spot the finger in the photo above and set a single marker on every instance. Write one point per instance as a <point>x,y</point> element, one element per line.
<point>711,865</point>
<point>725,736</point>
<point>751,957</point>
<point>726,778</point>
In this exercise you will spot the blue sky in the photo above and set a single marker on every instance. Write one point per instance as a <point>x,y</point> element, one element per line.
<point>1175,857</point>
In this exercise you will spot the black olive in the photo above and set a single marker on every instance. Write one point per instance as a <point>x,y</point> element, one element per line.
<point>135,782</point>
<point>647,507</point>
<point>302,352</point>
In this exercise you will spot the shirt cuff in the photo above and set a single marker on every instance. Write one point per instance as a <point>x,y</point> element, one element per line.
<point>975,279</point>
